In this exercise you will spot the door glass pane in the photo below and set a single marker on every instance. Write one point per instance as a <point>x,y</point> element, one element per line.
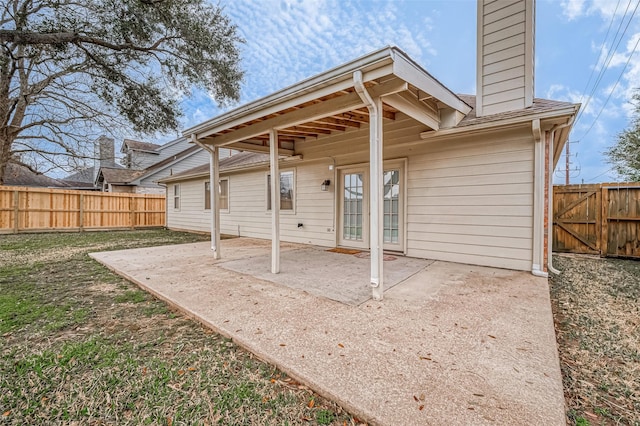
<point>391,204</point>
<point>352,206</point>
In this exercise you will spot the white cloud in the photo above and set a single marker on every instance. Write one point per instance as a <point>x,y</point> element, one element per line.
<point>573,8</point>
<point>287,41</point>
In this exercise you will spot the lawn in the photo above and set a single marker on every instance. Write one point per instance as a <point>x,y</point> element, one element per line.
<point>597,314</point>
<point>80,345</point>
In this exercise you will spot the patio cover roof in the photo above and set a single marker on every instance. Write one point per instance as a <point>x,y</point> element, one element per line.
<point>328,103</point>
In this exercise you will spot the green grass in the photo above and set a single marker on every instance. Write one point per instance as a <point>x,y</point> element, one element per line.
<point>81,345</point>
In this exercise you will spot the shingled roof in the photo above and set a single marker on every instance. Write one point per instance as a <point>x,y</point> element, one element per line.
<point>539,106</point>
<point>119,176</point>
<point>139,146</point>
<point>239,160</point>
<point>17,175</point>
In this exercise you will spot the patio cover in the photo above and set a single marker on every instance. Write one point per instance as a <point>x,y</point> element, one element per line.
<point>362,92</point>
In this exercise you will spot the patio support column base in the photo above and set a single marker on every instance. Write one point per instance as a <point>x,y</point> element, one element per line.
<point>275,202</point>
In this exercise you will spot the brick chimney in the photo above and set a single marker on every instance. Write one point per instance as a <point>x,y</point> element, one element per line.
<point>505,61</point>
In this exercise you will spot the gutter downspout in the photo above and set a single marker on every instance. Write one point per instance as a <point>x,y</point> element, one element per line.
<point>553,130</point>
<point>538,201</point>
<point>375,192</point>
<point>213,185</point>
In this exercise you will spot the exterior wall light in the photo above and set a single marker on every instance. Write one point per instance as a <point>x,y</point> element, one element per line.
<point>325,185</point>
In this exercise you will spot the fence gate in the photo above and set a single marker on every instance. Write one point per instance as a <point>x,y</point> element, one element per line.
<point>597,219</point>
<point>576,219</point>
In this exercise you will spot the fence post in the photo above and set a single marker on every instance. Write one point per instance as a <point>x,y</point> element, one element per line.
<point>604,228</point>
<point>81,218</point>
<point>16,211</point>
<point>132,207</point>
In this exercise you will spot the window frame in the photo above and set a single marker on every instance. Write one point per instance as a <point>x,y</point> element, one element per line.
<point>294,197</point>
<point>177,191</point>
<point>207,193</point>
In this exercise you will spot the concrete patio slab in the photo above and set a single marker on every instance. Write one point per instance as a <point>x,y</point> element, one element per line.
<point>453,344</point>
<point>337,276</point>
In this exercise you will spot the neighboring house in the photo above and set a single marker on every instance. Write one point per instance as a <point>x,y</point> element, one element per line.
<point>17,175</point>
<point>171,158</point>
<point>139,155</point>
<point>378,154</point>
<point>104,156</point>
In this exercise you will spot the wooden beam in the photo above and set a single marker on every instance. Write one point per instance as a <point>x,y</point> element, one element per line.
<point>302,129</point>
<point>316,125</point>
<point>244,146</point>
<point>414,109</point>
<point>325,109</point>
<point>355,116</point>
<point>338,122</point>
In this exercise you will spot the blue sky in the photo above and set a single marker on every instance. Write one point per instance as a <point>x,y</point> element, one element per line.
<point>577,42</point>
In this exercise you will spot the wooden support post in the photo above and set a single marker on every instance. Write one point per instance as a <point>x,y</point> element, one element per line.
<point>16,211</point>
<point>377,198</point>
<point>214,195</point>
<point>275,202</point>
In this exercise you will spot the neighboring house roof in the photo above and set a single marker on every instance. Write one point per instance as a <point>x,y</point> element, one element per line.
<point>160,164</point>
<point>17,175</point>
<point>118,176</point>
<point>81,176</point>
<point>139,146</point>
<point>236,161</point>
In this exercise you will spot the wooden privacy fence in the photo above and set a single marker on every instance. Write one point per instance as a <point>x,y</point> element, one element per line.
<point>24,209</point>
<point>599,219</point>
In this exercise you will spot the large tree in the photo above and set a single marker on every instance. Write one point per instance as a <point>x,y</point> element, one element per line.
<point>69,67</point>
<point>624,155</point>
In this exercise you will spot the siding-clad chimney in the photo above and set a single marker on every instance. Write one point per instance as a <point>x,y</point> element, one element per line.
<point>104,154</point>
<point>505,62</point>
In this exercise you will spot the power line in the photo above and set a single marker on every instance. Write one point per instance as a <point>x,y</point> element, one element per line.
<point>610,55</point>
<point>600,53</point>
<point>614,86</point>
<point>601,174</point>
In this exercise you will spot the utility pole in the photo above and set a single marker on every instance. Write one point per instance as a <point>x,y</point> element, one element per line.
<point>566,156</point>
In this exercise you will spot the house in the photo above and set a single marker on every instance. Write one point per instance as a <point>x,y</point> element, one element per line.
<point>377,154</point>
<point>146,163</point>
<point>19,175</point>
<point>104,156</point>
<point>139,155</point>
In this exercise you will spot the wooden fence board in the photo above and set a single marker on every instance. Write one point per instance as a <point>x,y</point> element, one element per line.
<point>24,209</point>
<point>597,219</point>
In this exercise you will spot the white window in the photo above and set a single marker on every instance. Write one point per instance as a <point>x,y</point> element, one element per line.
<point>176,196</point>
<point>287,191</point>
<point>223,197</point>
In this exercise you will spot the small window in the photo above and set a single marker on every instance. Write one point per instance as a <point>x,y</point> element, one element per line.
<point>224,194</point>
<point>286,191</point>
<point>176,196</point>
<point>207,196</point>
<point>223,197</point>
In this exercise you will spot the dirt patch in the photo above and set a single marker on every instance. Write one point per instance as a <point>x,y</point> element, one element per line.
<point>597,317</point>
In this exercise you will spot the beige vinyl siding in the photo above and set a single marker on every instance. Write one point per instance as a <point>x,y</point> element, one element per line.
<point>505,44</point>
<point>469,199</point>
<point>192,216</point>
<point>314,208</point>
